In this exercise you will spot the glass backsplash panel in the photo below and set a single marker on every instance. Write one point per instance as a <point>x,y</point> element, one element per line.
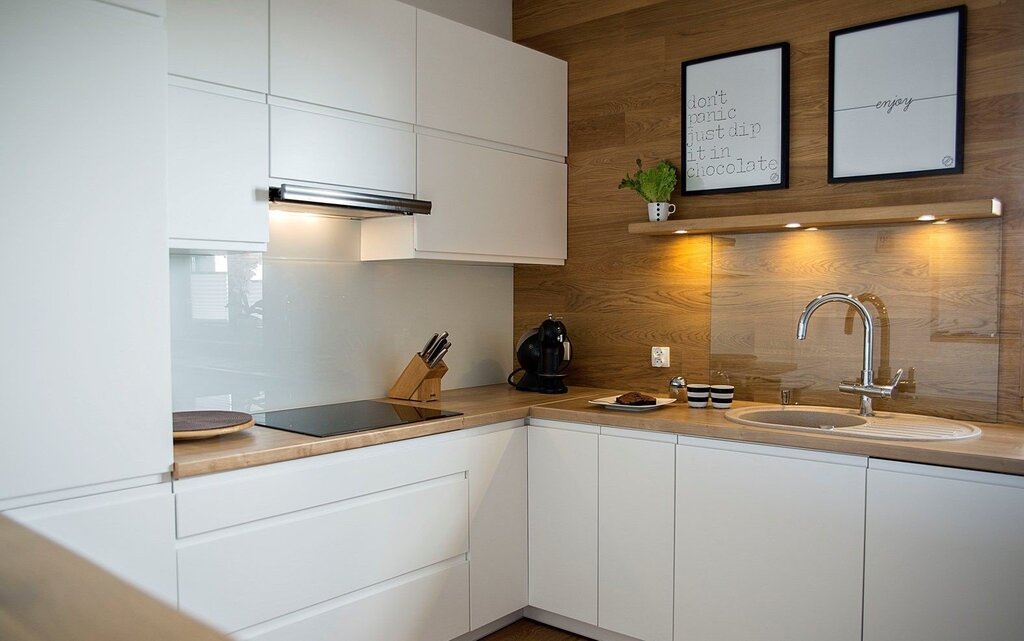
<point>933,291</point>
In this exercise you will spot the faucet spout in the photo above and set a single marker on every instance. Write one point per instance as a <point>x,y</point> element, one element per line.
<point>866,388</point>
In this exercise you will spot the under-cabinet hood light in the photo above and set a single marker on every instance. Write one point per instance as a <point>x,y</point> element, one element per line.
<point>350,204</point>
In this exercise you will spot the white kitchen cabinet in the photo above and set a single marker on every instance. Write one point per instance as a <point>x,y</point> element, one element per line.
<point>944,555</point>
<point>636,524</point>
<point>498,538</point>
<point>217,168</point>
<point>356,55</point>
<point>427,605</point>
<point>245,576</point>
<point>489,205</point>
<point>319,145</point>
<point>769,543</point>
<point>129,533</point>
<point>220,41</point>
<point>474,83</point>
<point>563,508</point>
<point>83,263</point>
<point>413,527</point>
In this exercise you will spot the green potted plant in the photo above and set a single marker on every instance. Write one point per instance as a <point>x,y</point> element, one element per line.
<point>655,186</point>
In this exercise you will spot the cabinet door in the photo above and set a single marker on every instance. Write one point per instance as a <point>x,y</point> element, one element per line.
<point>563,521</point>
<point>487,201</point>
<point>474,83</point>
<point>217,168</point>
<point>497,525</point>
<point>129,533</point>
<point>637,520</point>
<point>357,55</point>
<point>221,41</point>
<point>324,146</point>
<point>83,253</point>
<point>769,543</point>
<point>944,554</point>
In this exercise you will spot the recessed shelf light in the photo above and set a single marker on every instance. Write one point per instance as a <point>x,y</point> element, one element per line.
<point>811,229</point>
<point>793,225</point>
<point>680,231</point>
<point>941,222</point>
<point>926,218</point>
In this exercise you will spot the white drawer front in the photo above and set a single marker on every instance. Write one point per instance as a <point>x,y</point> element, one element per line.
<point>319,148</point>
<point>217,501</point>
<point>240,577</point>
<point>431,605</point>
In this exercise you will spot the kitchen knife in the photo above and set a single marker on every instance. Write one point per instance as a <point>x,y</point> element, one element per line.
<point>437,357</point>
<point>425,352</point>
<point>438,345</point>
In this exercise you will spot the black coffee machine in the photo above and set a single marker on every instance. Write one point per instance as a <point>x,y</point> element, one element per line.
<point>543,354</point>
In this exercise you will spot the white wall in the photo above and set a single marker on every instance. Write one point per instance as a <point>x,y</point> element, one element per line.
<point>492,16</point>
<point>327,327</point>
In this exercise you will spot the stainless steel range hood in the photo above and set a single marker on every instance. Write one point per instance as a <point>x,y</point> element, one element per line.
<point>338,202</point>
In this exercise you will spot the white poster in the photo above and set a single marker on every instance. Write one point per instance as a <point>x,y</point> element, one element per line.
<point>896,98</point>
<point>736,121</point>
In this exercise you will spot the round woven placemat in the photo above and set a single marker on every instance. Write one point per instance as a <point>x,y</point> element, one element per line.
<point>209,423</point>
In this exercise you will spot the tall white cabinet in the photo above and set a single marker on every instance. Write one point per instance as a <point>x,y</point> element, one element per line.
<point>944,554</point>
<point>86,363</point>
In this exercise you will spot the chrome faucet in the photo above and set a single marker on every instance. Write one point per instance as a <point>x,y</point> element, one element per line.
<point>866,388</point>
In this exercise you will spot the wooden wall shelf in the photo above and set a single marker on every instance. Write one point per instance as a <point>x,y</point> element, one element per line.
<point>854,217</point>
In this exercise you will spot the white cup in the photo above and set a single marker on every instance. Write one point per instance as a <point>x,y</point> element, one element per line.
<point>659,212</point>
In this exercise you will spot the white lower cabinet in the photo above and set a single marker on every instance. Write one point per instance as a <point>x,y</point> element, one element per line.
<point>769,543</point>
<point>944,556</point>
<point>216,168</point>
<point>129,533</point>
<point>498,540</point>
<point>563,469</point>
<point>635,525</point>
<point>392,542</point>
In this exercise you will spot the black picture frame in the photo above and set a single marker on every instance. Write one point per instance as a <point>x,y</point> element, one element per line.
<point>872,132</point>
<point>757,79</point>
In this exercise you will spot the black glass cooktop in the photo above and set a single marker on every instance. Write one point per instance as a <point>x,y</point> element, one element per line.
<point>343,418</point>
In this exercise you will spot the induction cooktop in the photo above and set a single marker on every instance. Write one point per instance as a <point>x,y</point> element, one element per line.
<point>345,418</point>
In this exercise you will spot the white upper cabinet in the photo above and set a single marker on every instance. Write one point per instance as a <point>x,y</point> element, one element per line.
<point>356,55</point>
<point>473,83</point>
<point>488,206</point>
<point>216,168</point>
<point>321,145</point>
<point>220,41</point>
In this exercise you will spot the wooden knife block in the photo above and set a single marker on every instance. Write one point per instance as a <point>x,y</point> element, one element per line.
<point>419,382</point>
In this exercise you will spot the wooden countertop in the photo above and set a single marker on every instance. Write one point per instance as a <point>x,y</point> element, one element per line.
<point>48,592</point>
<point>261,445</point>
<point>1000,448</point>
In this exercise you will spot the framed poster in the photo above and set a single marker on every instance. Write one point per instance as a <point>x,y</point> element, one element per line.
<point>896,97</point>
<point>736,121</point>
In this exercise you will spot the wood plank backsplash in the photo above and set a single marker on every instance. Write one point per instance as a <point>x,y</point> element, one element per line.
<point>731,303</point>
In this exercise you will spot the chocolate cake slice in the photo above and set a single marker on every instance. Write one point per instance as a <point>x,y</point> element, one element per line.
<point>635,398</point>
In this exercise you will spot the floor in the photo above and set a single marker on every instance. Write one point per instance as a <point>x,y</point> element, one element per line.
<point>527,630</point>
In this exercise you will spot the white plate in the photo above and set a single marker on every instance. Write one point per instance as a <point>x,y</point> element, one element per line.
<point>609,402</point>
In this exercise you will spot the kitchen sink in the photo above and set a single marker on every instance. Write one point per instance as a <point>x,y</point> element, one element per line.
<point>846,422</point>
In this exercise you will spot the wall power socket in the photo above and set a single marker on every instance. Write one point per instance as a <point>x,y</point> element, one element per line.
<point>659,357</point>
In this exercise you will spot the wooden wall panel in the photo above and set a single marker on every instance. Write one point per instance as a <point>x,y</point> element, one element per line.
<point>621,294</point>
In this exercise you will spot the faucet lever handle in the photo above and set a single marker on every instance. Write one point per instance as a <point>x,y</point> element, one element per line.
<point>896,378</point>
